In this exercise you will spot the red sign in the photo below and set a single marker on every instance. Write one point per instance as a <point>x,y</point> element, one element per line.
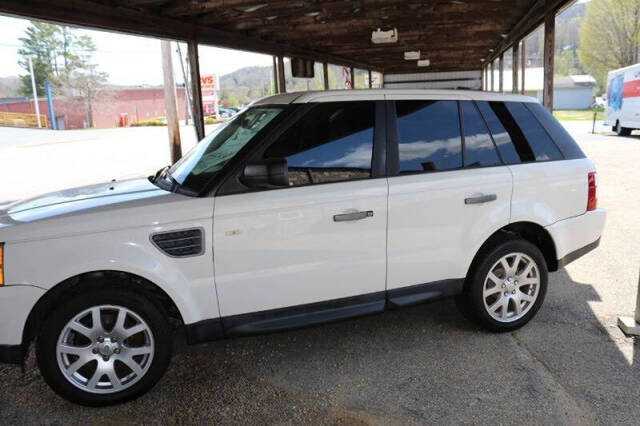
<point>631,89</point>
<point>207,85</point>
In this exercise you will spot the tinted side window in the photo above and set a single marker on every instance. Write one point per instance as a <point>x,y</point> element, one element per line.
<point>478,146</point>
<point>507,135</point>
<point>428,136</point>
<point>333,142</point>
<point>560,136</point>
<point>539,140</point>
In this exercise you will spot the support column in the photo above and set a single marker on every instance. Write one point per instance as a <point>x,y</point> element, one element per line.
<point>352,77</point>
<point>549,48</point>
<point>282,83</point>
<point>171,106</point>
<point>514,69</point>
<point>523,64</point>
<point>325,74</point>
<point>276,89</point>
<point>501,73</point>
<point>196,90</point>
<point>491,71</point>
<point>370,82</point>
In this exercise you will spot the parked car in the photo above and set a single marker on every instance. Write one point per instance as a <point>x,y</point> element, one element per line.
<point>302,209</point>
<point>622,111</point>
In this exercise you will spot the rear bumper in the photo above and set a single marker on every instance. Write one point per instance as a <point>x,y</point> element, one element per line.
<point>11,354</point>
<point>577,236</point>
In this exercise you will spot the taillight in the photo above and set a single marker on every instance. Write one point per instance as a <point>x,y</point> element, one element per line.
<point>592,199</point>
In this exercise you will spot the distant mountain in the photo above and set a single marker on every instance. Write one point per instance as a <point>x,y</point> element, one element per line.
<point>10,86</point>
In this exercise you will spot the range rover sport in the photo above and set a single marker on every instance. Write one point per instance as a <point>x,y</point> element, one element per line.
<point>301,209</point>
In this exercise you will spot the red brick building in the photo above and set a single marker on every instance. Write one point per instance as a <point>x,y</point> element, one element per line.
<point>112,107</point>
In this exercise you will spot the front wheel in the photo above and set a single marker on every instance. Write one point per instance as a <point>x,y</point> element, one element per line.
<point>621,131</point>
<point>105,346</point>
<point>507,287</point>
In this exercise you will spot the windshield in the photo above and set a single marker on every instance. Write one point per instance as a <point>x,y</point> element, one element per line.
<point>211,154</point>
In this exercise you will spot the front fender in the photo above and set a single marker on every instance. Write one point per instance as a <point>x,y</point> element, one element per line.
<point>188,281</point>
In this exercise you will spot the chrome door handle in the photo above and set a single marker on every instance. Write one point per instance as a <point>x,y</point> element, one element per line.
<point>345,217</point>
<point>481,199</point>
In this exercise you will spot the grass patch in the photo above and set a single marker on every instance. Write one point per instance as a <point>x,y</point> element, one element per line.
<point>567,115</point>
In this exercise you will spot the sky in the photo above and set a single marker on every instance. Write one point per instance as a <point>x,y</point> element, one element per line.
<point>129,60</point>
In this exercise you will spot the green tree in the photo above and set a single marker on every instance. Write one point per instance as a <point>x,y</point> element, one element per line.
<point>609,37</point>
<point>41,43</point>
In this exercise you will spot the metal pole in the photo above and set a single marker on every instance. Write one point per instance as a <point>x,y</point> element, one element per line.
<point>523,63</point>
<point>170,101</point>
<point>628,325</point>
<point>35,93</point>
<point>52,117</point>
<point>187,98</point>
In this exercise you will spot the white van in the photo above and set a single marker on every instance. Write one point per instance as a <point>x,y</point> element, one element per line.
<point>622,110</point>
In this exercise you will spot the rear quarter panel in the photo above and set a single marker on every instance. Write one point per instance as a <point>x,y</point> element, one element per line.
<point>546,192</point>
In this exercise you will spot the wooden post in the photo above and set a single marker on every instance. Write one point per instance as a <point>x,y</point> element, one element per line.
<point>370,82</point>
<point>196,90</point>
<point>351,76</point>
<point>170,101</point>
<point>491,69</point>
<point>325,74</point>
<point>276,89</point>
<point>501,73</point>
<point>549,48</point>
<point>514,69</point>
<point>282,83</point>
<point>523,63</point>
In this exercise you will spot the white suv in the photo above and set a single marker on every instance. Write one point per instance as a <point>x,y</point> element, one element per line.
<point>304,208</point>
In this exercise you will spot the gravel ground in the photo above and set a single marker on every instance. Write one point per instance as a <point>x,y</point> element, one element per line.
<point>425,364</point>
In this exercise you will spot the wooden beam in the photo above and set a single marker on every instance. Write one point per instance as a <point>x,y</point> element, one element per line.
<point>171,107</point>
<point>325,74</point>
<point>352,78</point>
<point>492,76</point>
<point>370,82</point>
<point>501,74</point>
<point>523,64</point>
<point>282,82</point>
<point>196,90</point>
<point>105,16</point>
<point>549,51</point>
<point>276,88</point>
<point>514,68</point>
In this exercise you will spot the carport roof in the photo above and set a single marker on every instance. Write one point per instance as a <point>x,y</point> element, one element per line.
<point>452,34</point>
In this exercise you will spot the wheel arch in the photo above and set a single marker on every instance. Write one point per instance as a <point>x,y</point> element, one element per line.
<point>529,231</point>
<point>74,285</point>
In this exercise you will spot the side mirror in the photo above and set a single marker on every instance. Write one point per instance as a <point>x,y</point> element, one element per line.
<point>269,173</point>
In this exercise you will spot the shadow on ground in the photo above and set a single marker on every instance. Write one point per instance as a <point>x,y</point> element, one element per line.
<point>425,364</point>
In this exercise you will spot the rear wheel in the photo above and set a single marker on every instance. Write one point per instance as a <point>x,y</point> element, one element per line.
<point>621,131</point>
<point>507,287</point>
<point>104,347</point>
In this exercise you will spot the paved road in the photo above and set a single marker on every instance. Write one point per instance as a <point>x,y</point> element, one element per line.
<point>426,364</point>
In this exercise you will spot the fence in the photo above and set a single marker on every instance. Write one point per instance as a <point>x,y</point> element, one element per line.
<point>17,119</point>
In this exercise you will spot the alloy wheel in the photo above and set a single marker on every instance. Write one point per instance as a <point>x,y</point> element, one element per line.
<point>105,349</point>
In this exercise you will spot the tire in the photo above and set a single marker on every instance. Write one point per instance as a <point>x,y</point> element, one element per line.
<point>485,297</point>
<point>622,131</point>
<point>70,338</point>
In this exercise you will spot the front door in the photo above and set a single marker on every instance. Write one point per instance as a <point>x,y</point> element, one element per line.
<point>320,241</point>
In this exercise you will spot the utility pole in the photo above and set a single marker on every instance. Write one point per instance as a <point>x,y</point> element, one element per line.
<point>170,101</point>
<point>35,93</point>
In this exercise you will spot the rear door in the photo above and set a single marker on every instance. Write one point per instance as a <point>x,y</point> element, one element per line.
<point>533,144</point>
<point>448,191</point>
<point>322,239</point>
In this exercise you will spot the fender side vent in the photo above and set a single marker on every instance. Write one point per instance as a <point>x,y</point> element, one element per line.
<point>180,243</point>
